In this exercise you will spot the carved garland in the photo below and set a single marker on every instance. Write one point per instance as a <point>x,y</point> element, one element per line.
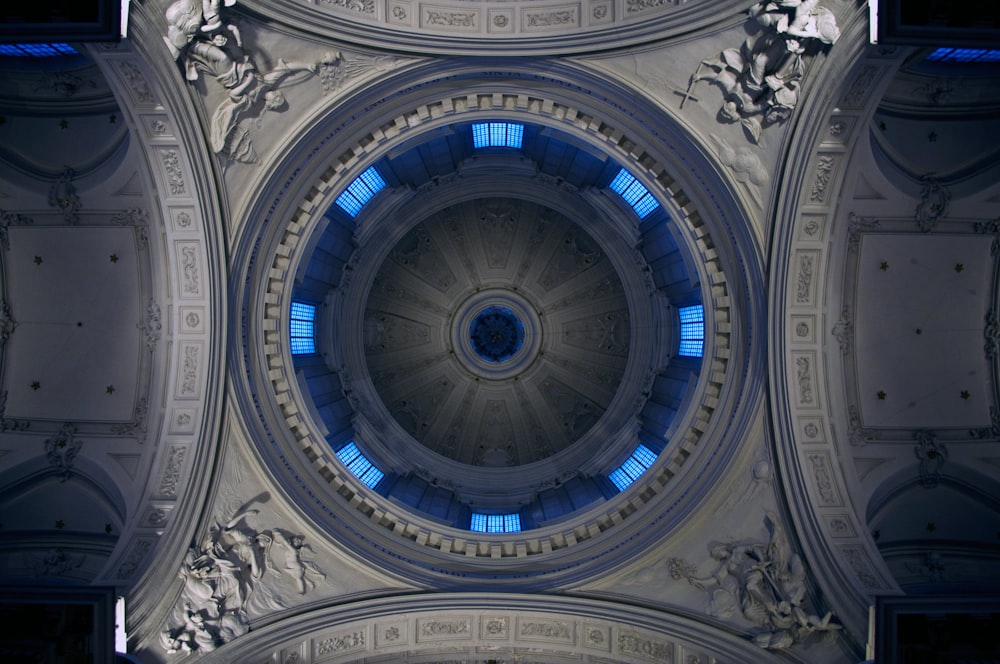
<point>345,484</point>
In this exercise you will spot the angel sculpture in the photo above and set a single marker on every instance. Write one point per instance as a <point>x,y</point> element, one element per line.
<point>761,79</point>
<point>763,581</point>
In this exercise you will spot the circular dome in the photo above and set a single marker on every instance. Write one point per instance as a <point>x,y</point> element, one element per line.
<point>512,341</point>
<point>331,436</point>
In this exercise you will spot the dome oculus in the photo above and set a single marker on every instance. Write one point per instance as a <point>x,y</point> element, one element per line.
<point>496,334</point>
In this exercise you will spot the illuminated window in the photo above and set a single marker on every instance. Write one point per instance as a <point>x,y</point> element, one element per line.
<point>634,193</point>
<point>497,135</point>
<point>359,465</point>
<point>964,55</point>
<point>692,331</point>
<point>37,50</point>
<point>634,466</point>
<point>302,329</point>
<point>495,523</point>
<point>359,192</point>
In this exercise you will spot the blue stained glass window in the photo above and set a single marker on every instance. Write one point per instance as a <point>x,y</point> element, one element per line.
<point>359,465</point>
<point>302,330</point>
<point>497,135</point>
<point>964,55</point>
<point>495,523</point>
<point>359,192</point>
<point>640,461</point>
<point>635,194</point>
<point>37,50</point>
<point>692,331</point>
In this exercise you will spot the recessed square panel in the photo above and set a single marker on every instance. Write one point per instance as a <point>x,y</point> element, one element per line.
<point>74,353</point>
<point>919,335</point>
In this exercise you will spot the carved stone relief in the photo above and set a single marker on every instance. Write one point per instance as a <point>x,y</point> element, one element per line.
<point>62,449</point>
<point>418,253</point>
<point>203,40</point>
<point>237,573</point>
<point>933,205</point>
<point>763,583</point>
<point>62,195</point>
<point>386,332</point>
<point>444,629</point>
<point>646,648</point>
<point>932,455</point>
<point>746,166</point>
<point>55,562</point>
<point>151,327</point>
<point>843,331</point>
<point>760,80</point>
<point>546,630</point>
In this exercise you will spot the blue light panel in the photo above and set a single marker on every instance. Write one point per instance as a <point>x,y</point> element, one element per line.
<point>497,135</point>
<point>302,331</point>
<point>692,331</point>
<point>359,192</point>
<point>37,50</point>
<point>964,55</point>
<point>640,461</point>
<point>634,193</point>
<point>359,465</point>
<point>495,523</point>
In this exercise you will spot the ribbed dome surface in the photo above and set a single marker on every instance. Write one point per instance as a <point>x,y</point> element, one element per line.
<point>496,332</point>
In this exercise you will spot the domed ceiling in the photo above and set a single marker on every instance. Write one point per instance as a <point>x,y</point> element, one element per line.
<point>497,332</point>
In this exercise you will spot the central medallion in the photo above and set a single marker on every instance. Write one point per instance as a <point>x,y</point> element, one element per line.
<point>496,334</point>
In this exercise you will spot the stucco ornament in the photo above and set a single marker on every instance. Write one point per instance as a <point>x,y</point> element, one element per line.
<point>201,41</point>
<point>761,79</point>
<point>236,574</point>
<point>765,583</point>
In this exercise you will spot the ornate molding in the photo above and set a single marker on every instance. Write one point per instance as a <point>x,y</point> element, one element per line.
<point>932,455</point>
<point>843,331</point>
<point>8,219</point>
<point>62,195</point>
<point>62,449</point>
<point>574,629</point>
<point>933,205</point>
<point>991,334</point>
<point>7,322</point>
<point>9,424</point>
<point>856,227</point>
<point>137,426</point>
<point>137,219</point>
<point>151,327</point>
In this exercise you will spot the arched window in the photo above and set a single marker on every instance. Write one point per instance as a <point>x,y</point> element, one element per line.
<point>359,192</point>
<point>359,465</point>
<point>495,523</point>
<point>497,135</point>
<point>640,461</point>
<point>302,332</point>
<point>692,331</point>
<point>635,194</point>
